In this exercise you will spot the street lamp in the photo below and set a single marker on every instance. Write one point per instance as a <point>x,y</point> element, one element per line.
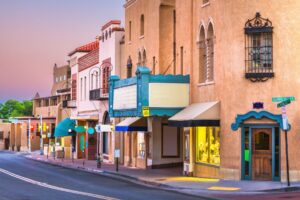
<point>41,137</point>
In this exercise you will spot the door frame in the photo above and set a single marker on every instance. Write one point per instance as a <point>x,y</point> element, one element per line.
<point>257,126</point>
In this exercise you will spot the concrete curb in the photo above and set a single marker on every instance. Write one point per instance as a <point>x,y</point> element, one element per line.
<point>128,178</point>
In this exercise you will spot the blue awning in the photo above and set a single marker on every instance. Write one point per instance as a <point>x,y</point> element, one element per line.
<point>132,124</point>
<point>65,128</point>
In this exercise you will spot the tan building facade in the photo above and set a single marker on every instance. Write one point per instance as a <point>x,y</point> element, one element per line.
<point>234,54</point>
<point>5,130</point>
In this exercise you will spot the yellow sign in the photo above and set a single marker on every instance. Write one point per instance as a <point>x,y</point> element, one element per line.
<point>146,111</point>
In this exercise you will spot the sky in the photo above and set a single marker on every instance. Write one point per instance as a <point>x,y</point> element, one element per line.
<point>35,34</point>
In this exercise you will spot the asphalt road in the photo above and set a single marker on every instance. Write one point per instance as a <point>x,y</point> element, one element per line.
<point>23,179</point>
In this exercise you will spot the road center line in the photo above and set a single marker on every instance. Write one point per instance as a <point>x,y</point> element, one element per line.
<point>45,185</point>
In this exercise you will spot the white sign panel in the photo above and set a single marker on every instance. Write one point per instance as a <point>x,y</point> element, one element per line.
<point>284,118</point>
<point>169,95</point>
<point>125,98</point>
<point>117,153</point>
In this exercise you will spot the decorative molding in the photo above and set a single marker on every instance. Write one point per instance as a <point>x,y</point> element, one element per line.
<point>257,115</point>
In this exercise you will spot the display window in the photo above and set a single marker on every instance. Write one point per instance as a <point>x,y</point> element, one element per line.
<point>208,145</point>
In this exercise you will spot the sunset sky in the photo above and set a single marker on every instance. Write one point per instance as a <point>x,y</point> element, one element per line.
<point>35,34</point>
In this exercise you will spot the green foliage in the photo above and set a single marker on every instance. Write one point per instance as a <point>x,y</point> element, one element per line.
<point>14,108</point>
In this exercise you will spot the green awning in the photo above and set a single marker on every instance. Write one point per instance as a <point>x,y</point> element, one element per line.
<point>80,129</point>
<point>65,128</point>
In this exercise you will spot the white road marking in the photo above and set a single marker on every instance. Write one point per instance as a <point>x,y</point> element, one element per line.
<point>45,185</point>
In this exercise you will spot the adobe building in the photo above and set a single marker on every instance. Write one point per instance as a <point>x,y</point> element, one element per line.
<point>233,53</point>
<point>5,130</point>
<point>49,111</point>
<point>236,71</point>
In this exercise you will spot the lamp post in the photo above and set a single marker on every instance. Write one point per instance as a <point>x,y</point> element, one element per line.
<point>41,137</point>
<point>29,135</point>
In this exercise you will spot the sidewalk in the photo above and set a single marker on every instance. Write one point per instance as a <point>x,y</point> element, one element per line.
<point>170,178</point>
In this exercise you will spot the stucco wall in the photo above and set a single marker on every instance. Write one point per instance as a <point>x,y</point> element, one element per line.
<point>231,88</point>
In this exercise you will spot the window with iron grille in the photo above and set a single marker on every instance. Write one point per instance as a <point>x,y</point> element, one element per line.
<point>259,49</point>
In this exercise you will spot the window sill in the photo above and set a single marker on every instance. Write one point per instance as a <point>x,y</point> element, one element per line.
<point>142,37</point>
<point>205,5</point>
<point>206,83</point>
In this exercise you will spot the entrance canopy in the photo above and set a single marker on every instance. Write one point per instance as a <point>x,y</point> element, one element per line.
<point>65,128</point>
<point>198,114</point>
<point>132,124</point>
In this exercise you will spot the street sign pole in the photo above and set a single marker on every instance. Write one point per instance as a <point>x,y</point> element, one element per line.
<point>285,127</point>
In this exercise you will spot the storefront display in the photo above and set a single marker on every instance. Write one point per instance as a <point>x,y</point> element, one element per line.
<point>208,145</point>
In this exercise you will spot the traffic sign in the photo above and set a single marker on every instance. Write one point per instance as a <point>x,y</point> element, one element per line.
<point>279,99</point>
<point>283,103</point>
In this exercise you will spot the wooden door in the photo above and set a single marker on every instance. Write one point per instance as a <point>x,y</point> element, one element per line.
<point>262,154</point>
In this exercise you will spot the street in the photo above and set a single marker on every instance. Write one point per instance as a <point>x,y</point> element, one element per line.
<point>23,179</point>
<point>28,180</point>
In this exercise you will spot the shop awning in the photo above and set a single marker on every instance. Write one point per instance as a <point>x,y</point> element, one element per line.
<point>132,124</point>
<point>198,114</point>
<point>65,128</point>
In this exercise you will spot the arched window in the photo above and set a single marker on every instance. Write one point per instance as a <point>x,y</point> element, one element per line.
<point>97,80</point>
<point>129,67</point>
<point>142,25</point>
<point>105,78</point>
<point>139,59</point>
<point>210,53</point>
<point>259,49</point>
<point>202,56</point>
<point>92,81</point>
<point>144,57</point>
<point>110,32</point>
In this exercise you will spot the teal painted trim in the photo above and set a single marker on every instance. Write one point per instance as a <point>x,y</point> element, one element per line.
<point>169,78</point>
<point>161,112</point>
<point>142,70</point>
<point>257,115</point>
<point>273,154</point>
<point>143,77</point>
<point>243,154</point>
<point>125,82</point>
<point>154,112</point>
<point>250,153</point>
<point>126,113</point>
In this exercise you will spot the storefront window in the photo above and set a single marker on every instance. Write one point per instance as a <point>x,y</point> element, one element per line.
<point>208,145</point>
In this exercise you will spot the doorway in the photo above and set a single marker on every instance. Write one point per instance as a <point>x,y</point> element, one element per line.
<point>261,153</point>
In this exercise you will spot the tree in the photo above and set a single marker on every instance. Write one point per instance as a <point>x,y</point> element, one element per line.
<point>14,108</point>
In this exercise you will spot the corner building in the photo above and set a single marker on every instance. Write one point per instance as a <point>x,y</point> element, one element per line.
<point>236,131</point>
<point>233,51</point>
